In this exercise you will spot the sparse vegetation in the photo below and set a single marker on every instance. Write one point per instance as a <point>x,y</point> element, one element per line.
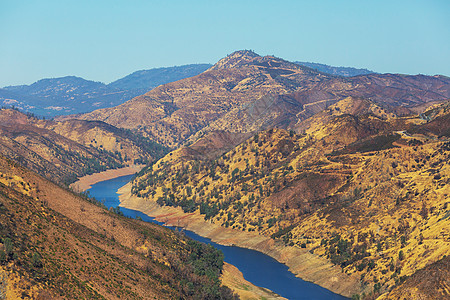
<point>322,191</point>
<point>355,184</point>
<point>54,253</point>
<point>3,284</point>
<point>63,151</point>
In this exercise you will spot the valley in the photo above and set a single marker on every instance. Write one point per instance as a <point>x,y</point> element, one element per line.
<point>341,190</point>
<point>345,179</point>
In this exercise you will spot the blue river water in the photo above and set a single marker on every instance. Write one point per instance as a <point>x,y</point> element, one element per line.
<point>258,268</point>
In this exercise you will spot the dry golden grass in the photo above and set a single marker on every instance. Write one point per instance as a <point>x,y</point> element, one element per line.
<point>66,247</point>
<point>381,214</point>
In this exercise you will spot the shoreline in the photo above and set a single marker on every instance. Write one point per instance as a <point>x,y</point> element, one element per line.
<point>231,276</point>
<point>84,183</point>
<point>301,262</point>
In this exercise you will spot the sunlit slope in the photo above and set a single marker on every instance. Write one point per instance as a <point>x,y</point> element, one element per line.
<point>357,187</point>
<point>57,245</point>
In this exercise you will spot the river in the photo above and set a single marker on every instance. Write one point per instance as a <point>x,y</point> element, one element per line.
<point>258,268</point>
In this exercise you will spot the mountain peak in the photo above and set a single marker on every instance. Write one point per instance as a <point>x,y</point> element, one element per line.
<point>236,58</point>
<point>245,52</point>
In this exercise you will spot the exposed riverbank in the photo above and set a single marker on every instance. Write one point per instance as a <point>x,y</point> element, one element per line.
<point>85,182</point>
<point>231,276</point>
<point>307,266</point>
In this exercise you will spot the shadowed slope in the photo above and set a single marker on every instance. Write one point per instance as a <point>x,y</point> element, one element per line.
<point>62,151</point>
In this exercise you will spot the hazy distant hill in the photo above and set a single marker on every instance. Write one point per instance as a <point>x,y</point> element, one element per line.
<point>54,96</point>
<point>340,71</point>
<point>70,94</point>
<point>145,80</point>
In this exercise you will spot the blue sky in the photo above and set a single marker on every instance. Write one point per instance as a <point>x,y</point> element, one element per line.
<point>105,40</point>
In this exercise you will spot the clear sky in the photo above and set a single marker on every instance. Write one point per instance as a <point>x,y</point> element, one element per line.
<point>104,40</point>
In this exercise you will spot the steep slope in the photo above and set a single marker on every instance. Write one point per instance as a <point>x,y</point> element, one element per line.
<point>62,151</point>
<point>357,188</point>
<point>431,282</point>
<point>170,113</point>
<point>131,147</point>
<point>350,105</point>
<point>266,112</point>
<point>438,118</point>
<point>57,245</point>
<point>235,59</point>
<point>392,94</point>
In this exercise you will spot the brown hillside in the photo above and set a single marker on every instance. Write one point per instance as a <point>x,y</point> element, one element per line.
<point>393,94</point>
<point>431,282</point>
<point>245,92</point>
<point>171,113</point>
<point>215,144</point>
<point>235,59</point>
<point>438,121</point>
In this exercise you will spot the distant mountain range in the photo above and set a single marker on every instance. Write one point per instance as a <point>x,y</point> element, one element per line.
<point>145,80</point>
<point>339,71</point>
<point>71,95</point>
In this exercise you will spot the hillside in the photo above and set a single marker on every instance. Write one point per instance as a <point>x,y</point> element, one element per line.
<point>430,282</point>
<point>351,171</point>
<point>71,95</point>
<point>56,245</point>
<point>244,93</point>
<point>393,94</point>
<point>63,151</point>
<point>356,187</point>
<point>170,113</point>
